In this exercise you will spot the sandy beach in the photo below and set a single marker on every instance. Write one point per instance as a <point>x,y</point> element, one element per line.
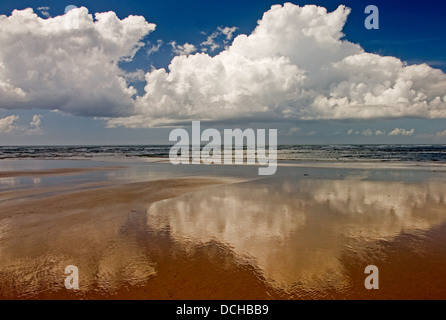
<point>146,231</point>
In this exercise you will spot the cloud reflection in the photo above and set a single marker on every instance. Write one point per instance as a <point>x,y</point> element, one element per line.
<point>296,231</point>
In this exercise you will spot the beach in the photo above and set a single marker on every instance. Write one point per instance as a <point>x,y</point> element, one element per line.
<point>140,229</point>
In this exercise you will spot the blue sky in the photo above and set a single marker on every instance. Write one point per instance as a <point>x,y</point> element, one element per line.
<point>413,32</point>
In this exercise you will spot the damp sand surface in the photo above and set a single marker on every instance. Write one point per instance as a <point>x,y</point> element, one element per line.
<point>140,230</point>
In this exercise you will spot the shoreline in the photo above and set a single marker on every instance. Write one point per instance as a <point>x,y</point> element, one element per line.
<point>280,162</point>
<point>55,172</point>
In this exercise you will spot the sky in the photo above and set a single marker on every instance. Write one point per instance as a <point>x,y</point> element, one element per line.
<point>114,72</point>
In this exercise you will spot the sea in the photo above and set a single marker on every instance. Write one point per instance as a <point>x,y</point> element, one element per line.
<point>347,153</point>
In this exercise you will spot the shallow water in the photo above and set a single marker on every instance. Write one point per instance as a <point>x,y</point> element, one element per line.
<point>129,170</point>
<point>342,152</point>
<point>313,238</point>
<point>305,233</point>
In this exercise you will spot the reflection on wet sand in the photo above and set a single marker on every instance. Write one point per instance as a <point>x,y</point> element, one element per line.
<point>299,233</point>
<point>96,230</point>
<point>202,238</point>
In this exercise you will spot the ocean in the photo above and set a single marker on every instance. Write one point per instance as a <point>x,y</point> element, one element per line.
<point>347,153</point>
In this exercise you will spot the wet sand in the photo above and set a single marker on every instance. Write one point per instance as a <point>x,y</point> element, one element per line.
<point>53,172</point>
<point>306,233</point>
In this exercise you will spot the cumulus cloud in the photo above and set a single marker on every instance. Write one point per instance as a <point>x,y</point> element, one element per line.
<point>8,124</point>
<point>57,64</point>
<point>35,125</point>
<point>36,122</point>
<point>367,132</point>
<point>380,132</point>
<point>402,132</point>
<point>185,49</point>
<point>293,66</point>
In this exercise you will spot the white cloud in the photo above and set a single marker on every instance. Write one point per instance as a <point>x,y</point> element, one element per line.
<point>227,31</point>
<point>57,65</point>
<point>35,125</point>
<point>44,11</point>
<point>8,124</point>
<point>402,132</point>
<point>155,47</point>
<point>294,65</point>
<point>211,44</point>
<point>367,133</point>
<point>185,49</point>
<point>441,133</point>
<point>36,122</point>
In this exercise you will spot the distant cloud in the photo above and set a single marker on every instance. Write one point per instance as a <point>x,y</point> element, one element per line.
<point>227,31</point>
<point>380,133</point>
<point>367,132</point>
<point>155,47</point>
<point>185,49</point>
<point>211,44</point>
<point>35,125</point>
<point>402,132</point>
<point>36,122</point>
<point>44,11</point>
<point>8,123</point>
<point>441,133</point>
